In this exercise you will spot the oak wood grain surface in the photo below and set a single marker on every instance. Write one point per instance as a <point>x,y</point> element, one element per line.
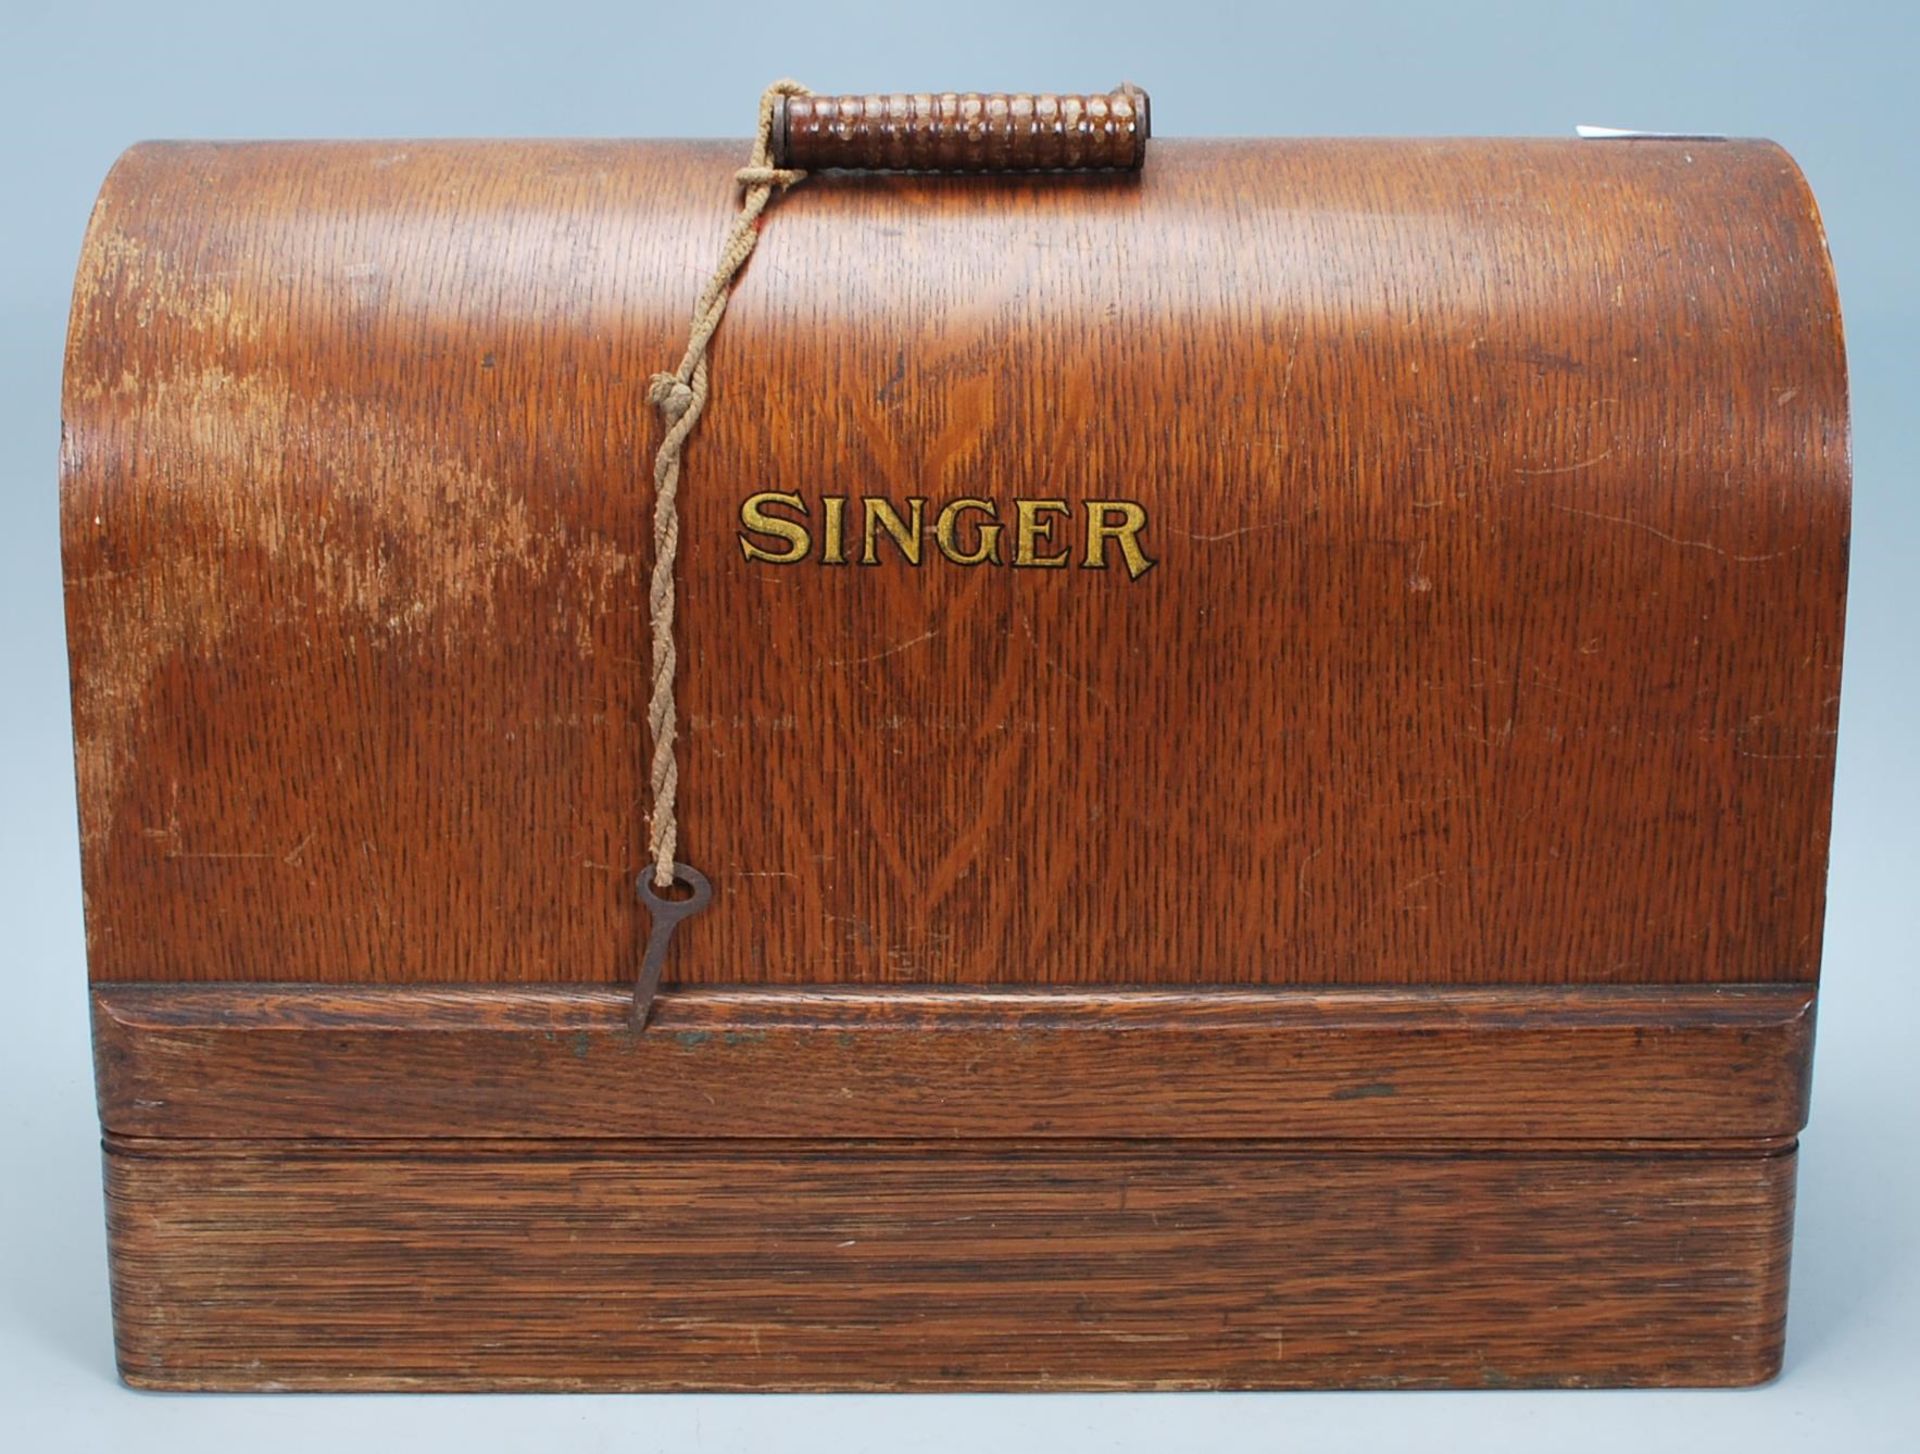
<point>577,1265</point>
<point>1340,1068</point>
<point>1496,494</point>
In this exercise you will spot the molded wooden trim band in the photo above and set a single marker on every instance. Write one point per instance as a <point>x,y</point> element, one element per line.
<point>1667,1063</point>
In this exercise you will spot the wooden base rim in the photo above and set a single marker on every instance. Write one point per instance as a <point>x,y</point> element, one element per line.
<point>494,1266</point>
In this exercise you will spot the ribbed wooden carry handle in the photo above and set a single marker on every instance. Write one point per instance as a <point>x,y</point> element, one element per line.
<point>963,132</point>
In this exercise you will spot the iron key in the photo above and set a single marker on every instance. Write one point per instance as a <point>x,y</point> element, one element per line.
<point>668,914</point>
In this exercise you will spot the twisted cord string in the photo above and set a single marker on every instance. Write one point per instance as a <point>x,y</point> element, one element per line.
<point>681,398</point>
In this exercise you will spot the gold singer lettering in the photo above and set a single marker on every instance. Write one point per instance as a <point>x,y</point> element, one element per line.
<point>779,527</point>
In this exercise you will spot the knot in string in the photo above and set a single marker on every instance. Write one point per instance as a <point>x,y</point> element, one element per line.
<point>681,396</point>
<point>671,395</point>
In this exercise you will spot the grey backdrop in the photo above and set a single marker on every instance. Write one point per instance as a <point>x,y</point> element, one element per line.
<point>1835,82</point>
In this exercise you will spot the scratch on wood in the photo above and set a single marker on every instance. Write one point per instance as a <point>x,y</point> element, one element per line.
<point>1047,661</point>
<point>880,655</point>
<point>1300,874</point>
<point>1293,357</point>
<point>1660,534</point>
<point>1231,534</point>
<point>1567,469</point>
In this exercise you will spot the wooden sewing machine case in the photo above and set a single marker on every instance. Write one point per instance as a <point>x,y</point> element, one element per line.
<point>1274,836</point>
